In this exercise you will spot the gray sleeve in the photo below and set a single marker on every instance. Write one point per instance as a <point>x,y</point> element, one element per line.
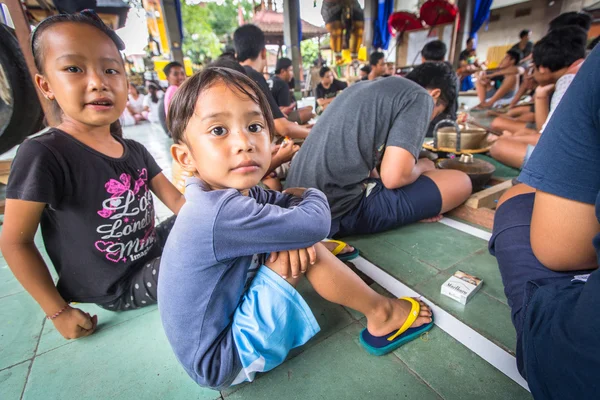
<point>244,227</point>
<point>410,123</point>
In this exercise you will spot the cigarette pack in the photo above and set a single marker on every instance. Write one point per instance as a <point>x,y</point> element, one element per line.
<point>461,286</point>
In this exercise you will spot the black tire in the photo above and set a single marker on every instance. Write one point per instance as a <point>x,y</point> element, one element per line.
<point>24,116</point>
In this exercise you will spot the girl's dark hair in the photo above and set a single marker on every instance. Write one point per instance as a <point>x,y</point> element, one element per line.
<point>183,104</point>
<point>88,17</point>
<point>152,89</point>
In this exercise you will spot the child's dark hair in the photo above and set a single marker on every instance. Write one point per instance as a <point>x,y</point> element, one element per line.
<point>573,18</point>
<point>434,51</point>
<point>524,33</point>
<point>375,57</point>
<point>249,41</point>
<point>85,17</point>
<point>173,64</point>
<point>227,61</point>
<point>515,55</point>
<point>153,89</point>
<point>560,48</point>
<point>323,71</point>
<point>436,75</point>
<point>183,105</point>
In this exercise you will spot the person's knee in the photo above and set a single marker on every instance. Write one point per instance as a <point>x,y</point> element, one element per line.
<point>514,191</point>
<point>497,123</point>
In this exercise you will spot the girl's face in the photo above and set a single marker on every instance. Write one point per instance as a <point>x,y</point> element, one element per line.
<point>87,81</point>
<point>227,140</point>
<point>132,90</point>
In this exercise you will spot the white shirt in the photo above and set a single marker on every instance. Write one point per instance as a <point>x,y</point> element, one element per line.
<point>153,113</point>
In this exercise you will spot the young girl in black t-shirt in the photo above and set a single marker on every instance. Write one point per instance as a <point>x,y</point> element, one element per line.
<point>89,189</point>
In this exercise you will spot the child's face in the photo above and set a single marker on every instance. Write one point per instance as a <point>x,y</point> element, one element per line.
<point>227,139</point>
<point>88,82</point>
<point>176,76</point>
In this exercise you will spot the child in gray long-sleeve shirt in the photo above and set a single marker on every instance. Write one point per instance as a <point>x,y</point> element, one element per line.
<point>228,312</point>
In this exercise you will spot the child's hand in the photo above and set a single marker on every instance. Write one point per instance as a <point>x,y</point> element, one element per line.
<point>74,323</point>
<point>298,192</point>
<point>292,263</point>
<point>287,150</point>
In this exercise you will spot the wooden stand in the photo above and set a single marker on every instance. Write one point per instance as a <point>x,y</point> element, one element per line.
<point>480,208</point>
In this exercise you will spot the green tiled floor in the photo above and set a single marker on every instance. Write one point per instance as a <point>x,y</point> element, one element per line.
<point>423,256</point>
<point>129,357</point>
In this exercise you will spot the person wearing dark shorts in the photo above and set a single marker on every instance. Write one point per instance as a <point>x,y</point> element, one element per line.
<point>546,239</point>
<point>363,154</point>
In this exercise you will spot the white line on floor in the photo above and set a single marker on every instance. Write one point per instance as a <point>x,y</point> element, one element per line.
<point>471,230</point>
<point>473,340</point>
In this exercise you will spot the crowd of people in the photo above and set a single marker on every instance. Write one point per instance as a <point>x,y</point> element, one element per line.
<point>270,197</point>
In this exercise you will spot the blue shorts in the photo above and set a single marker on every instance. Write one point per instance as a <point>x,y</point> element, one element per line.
<point>272,319</point>
<point>382,209</point>
<point>522,273</point>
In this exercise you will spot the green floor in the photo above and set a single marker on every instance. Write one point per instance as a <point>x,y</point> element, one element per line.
<point>129,357</point>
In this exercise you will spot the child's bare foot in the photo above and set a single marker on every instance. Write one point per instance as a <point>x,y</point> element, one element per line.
<point>433,219</point>
<point>332,245</point>
<point>391,317</point>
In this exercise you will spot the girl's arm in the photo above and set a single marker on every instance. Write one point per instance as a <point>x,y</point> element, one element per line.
<point>17,243</point>
<point>167,193</point>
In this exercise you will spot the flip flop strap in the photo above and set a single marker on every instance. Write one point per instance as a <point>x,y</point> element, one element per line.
<point>412,317</point>
<point>340,246</point>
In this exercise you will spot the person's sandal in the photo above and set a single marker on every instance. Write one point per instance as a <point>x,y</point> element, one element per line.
<point>340,246</point>
<point>381,345</point>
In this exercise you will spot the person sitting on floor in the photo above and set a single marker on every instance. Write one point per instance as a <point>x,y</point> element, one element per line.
<point>377,63</point>
<point>495,89</point>
<point>546,239</point>
<point>151,103</point>
<point>280,89</point>
<point>363,154</point>
<point>516,112</point>
<point>468,66</point>
<point>525,46</point>
<point>364,72</point>
<point>237,252</point>
<point>435,51</point>
<point>250,51</point>
<point>327,89</point>
<point>557,57</point>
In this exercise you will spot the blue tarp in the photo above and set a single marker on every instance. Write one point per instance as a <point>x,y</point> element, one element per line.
<point>480,15</point>
<point>381,36</point>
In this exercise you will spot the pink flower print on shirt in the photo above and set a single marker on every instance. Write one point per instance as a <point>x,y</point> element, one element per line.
<point>117,189</point>
<point>127,201</point>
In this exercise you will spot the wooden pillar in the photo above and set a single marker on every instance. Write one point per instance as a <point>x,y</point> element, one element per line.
<point>22,31</point>
<point>291,14</point>
<point>466,8</point>
<point>172,28</point>
<point>370,16</point>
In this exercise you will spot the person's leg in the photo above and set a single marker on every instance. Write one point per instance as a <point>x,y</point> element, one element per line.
<point>527,117</point>
<point>383,209</point>
<point>482,89</point>
<point>335,282</point>
<point>511,245</point>
<point>509,152</point>
<point>454,186</point>
<point>140,289</point>
<point>505,124</point>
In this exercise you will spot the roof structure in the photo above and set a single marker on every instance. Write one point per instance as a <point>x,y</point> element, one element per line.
<point>271,23</point>
<point>112,12</point>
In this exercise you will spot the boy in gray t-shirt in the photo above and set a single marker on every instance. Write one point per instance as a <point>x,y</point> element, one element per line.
<point>363,152</point>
